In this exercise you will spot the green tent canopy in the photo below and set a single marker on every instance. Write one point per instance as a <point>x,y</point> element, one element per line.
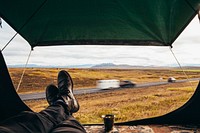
<point>99,22</point>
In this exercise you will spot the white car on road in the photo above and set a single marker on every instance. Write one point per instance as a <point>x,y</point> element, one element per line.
<point>171,79</point>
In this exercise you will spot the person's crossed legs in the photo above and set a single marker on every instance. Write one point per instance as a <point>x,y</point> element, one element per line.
<point>57,117</point>
<point>65,93</point>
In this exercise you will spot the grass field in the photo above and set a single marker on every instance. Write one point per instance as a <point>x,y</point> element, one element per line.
<point>36,79</point>
<point>126,104</point>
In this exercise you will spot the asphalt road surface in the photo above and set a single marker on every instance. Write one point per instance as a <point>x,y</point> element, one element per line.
<point>41,95</point>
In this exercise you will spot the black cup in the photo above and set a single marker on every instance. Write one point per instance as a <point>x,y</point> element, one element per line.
<point>108,122</point>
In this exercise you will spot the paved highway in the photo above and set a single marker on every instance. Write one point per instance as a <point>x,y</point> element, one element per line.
<point>41,95</point>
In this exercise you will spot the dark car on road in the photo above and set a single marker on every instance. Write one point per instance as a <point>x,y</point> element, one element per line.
<point>127,84</point>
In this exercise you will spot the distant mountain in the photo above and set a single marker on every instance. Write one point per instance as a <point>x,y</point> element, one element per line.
<point>125,66</point>
<point>80,66</point>
<point>104,65</point>
<point>111,65</point>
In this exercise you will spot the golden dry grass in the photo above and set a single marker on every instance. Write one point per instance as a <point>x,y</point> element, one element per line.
<point>36,79</point>
<point>126,104</point>
<point>131,104</point>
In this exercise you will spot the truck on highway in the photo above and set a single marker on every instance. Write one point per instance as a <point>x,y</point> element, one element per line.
<point>108,84</point>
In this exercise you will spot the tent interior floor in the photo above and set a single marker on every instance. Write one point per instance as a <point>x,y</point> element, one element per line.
<point>144,129</point>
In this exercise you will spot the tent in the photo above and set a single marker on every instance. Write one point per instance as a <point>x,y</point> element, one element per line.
<point>98,22</point>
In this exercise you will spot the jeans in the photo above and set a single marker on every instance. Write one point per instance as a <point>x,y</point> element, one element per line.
<point>53,119</point>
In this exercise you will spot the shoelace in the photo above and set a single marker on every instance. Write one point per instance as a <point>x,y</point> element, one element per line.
<point>64,88</point>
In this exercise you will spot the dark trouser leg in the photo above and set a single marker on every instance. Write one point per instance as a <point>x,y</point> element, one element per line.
<point>70,125</point>
<point>55,114</point>
<point>63,123</point>
<point>31,122</point>
<point>42,122</point>
<point>25,122</point>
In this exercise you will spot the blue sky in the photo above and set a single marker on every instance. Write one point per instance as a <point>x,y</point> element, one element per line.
<point>186,49</point>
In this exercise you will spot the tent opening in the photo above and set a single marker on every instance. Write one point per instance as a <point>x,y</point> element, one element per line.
<point>112,85</point>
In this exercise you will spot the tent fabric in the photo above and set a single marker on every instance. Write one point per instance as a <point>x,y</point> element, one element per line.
<point>94,22</point>
<point>10,102</point>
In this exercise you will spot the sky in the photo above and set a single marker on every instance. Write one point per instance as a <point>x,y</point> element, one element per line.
<point>186,49</point>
